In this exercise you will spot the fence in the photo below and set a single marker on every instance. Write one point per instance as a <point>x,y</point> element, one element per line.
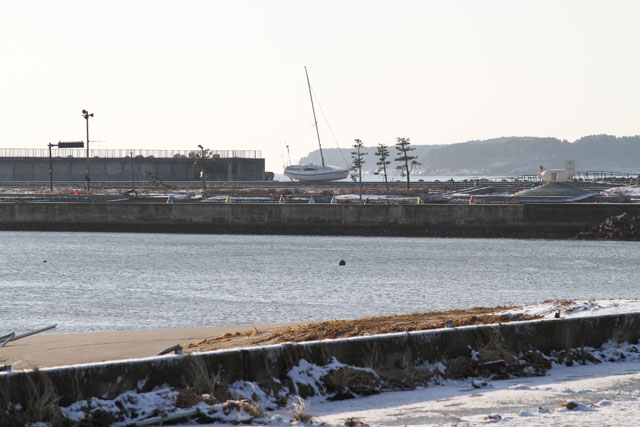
<point>122,153</point>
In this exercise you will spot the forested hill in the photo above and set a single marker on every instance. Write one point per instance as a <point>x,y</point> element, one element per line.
<point>509,156</point>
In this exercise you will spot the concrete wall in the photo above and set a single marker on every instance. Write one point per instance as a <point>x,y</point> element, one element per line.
<point>119,169</point>
<point>260,364</point>
<point>499,220</point>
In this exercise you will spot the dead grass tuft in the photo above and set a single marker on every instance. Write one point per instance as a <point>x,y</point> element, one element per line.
<point>201,380</point>
<point>347,383</point>
<point>299,409</point>
<point>354,422</point>
<point>495,350</point>
<point>460,367</point>
<point>40,405</point>
<point>250,408</point>
<point>187,398</point>
<point>405,378</point>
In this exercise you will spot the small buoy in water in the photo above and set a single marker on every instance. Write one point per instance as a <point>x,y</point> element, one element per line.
<point>342,262</point>
<point>44,260</point>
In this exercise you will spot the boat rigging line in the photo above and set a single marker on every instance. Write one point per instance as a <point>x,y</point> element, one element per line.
<point>335,140</point>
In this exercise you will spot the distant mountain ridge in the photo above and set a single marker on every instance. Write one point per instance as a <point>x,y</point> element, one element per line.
<point>508,156</point>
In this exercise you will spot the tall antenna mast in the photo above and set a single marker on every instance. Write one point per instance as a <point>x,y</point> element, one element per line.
<point>314,115</point>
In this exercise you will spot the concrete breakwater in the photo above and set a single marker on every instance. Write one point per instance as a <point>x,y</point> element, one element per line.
<point>545,220</point>
<point>516,349</point>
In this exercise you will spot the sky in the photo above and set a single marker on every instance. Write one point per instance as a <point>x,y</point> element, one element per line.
<point>229,75</point>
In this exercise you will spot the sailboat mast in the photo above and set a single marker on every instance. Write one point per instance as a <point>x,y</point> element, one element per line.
<point>314,116</point>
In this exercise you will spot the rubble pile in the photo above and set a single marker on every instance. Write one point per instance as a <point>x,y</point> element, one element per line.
<point>620,227</point>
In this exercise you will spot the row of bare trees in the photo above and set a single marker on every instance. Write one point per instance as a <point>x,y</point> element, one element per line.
<point>406,166</point>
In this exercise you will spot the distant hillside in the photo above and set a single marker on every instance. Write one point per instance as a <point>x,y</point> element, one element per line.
<point>510,156</point>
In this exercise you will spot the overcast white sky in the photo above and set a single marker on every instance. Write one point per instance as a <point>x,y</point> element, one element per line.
<point>229,74</point>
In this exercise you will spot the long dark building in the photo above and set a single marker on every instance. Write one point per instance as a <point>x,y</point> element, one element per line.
<point>32,165</point>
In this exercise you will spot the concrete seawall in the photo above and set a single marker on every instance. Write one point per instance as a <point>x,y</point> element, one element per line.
<point>30,169</point>
<point>452,220</point>
<point>262,364</point>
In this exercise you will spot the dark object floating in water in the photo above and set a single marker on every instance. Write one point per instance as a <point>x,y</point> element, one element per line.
<point>342,262</point>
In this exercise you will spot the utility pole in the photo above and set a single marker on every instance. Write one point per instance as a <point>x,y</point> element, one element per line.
<point>86,116</point>
<point>133,179</point>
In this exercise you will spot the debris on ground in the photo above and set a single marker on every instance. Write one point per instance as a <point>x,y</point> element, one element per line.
<point>619,227</point>
<point>359,327</point>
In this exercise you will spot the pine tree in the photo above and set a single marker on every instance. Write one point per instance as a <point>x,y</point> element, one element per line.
<point>407,162</point>
<point>357,162</point>
<point>201,162</point>
<point>383,154</point>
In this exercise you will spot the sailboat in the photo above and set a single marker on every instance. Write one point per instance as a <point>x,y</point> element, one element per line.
<point>312,172</point>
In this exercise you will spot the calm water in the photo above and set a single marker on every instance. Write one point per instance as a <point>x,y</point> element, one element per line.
<point>109,281</point>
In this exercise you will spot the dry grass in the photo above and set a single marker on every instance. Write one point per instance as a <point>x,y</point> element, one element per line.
<point>187,398</point>
<point>202,381</point>
<point>249,408</point>
<point>347,383</point>
<point>358,327</point>
<point>299,409</point>
<point>354,422</point>
<point>40,405</point>
<point>496,350</point>
<point>405,378</point>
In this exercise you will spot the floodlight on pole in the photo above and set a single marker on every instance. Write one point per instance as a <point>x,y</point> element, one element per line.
<point>86,116</point>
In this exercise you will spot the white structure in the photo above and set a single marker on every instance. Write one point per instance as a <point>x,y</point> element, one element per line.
<point>559,175</point>
<point>311,172</point>
<point>315,173</point>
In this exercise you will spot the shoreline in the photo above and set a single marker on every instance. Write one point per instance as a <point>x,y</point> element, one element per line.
<point>49,350</point>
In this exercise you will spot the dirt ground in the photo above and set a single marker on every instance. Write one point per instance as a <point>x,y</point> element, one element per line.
<point>357,327</point>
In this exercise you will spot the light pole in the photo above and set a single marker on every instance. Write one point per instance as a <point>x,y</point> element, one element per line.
<point>202,169</point>
<point>86,116</point>
<point>133,178</point>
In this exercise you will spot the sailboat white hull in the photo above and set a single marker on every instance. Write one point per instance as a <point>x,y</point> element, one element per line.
<point>315,173</point>
<point>311,172</point>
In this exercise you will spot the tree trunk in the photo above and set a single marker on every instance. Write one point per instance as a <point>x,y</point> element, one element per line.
<point>406,168</point>
<point>386,183</point>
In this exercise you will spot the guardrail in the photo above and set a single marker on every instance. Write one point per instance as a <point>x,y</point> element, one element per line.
<point>123,153</point>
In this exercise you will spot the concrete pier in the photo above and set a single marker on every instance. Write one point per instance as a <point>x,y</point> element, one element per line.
<point>546,220</point>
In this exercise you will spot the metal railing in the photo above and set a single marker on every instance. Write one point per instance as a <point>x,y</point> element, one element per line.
<point>603,175</point>
<point>122,153</point>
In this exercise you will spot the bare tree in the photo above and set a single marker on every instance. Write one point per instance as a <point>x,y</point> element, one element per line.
<point>357,162</point>
<point>407,161</point>
<point>383,155</point>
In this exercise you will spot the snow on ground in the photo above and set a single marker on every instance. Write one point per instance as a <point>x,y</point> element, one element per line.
<point>577,308</point>
<point>607,393</point>
<point>604,394</point>
<point>631,192</point>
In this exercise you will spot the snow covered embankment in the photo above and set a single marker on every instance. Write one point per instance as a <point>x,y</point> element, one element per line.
<point>321,372</point>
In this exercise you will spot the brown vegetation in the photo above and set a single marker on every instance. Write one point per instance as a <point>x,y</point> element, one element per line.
<point>358,327</point>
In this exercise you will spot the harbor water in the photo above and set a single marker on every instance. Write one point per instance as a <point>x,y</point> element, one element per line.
<point>87,282</point>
